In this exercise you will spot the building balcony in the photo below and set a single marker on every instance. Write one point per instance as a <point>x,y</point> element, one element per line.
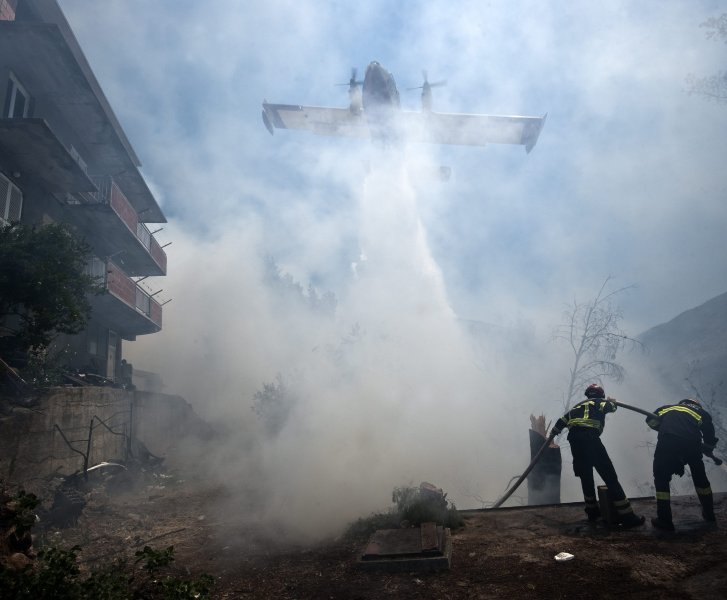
<point>33,151</point>
<point>110,223</point>
<point>127,308</point>
<point>47,59</point>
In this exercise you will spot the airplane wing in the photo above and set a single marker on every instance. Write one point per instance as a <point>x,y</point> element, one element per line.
<point>318,119</point>
<point>472,130</point>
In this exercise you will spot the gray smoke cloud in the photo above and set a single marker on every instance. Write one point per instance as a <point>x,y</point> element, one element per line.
<point>627,179</point>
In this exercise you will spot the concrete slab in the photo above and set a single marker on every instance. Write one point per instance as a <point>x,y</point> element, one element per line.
<point>425,548</point>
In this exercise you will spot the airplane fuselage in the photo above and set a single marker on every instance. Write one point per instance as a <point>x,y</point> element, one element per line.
<point>379,89</point>
<point>380,98</point>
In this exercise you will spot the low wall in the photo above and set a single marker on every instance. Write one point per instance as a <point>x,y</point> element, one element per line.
<point>50,437</point>
<point>32,444</point>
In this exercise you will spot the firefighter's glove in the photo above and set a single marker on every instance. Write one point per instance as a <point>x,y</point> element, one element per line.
<point>707,450</point>
<point>653,423</point>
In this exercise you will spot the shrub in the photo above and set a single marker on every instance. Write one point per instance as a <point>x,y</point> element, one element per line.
<point>413,506</point>
<point>56,575</point>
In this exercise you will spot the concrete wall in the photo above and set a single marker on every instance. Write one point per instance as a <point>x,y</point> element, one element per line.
<point>32,445</point>
<point>31,439</point>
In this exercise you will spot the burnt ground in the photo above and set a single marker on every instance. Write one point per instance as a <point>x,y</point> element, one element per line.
<point>504,553</point>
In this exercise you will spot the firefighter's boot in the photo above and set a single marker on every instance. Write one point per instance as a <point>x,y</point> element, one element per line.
<point>631,520</point>
<point>592,510</point>
<point>593,513</point>
<point>707,506</point>
<point>663,515</point>
<point>625,514</point>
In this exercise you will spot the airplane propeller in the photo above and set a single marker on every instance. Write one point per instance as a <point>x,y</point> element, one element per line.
<point>426,86</point>
<point>354,92</point>
<point>353,82</point>
<point>426,89</point>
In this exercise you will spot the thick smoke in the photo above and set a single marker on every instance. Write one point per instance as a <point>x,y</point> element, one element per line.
<point>447,295</point>
<point>389,390</point>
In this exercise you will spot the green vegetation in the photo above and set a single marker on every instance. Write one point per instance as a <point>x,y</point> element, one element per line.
<point>273,404</point>
<point>413,506</point>
<point>290,290</point>
<point>56,575</point>
<point>44,287</point>
<point>17,513</point>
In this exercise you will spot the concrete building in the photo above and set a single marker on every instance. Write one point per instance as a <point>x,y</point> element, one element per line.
<point>65,158</point>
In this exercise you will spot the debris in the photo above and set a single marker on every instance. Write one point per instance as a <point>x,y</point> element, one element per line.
<point>563,556</point>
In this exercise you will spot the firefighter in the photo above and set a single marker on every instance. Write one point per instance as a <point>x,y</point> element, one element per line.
<point>685,433</point>
<point>585,422</point>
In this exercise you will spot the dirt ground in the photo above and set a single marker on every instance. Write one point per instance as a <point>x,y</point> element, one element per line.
<point>504,553</point>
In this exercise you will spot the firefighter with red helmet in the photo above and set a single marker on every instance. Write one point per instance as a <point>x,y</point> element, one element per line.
<point>686,432</point>
<point>585,422</point>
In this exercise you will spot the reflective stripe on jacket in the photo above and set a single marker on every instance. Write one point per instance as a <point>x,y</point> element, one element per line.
<point>590,414</point>
<point>688,421</point>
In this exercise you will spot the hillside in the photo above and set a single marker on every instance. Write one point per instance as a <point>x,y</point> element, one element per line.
<point>690,351</point>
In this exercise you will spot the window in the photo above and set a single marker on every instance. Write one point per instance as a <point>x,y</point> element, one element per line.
<point>111,356</point>
<point>17,100</point>
<point>11,201</point>
<point>96,268</point>
<point>92,334</point>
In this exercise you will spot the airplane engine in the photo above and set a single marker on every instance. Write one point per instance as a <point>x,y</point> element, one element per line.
<point>356,100</point>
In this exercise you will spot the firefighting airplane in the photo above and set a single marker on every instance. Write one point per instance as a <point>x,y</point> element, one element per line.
<point>375,112</point>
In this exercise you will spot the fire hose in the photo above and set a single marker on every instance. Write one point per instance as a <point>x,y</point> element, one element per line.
<point>546,443</point>
<point>522,477</point>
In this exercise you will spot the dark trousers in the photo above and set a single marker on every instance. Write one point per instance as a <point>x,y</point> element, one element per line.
<point>672,453</point>
<point>589,453</point>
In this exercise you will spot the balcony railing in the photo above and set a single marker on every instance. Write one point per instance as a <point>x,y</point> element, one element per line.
<point>127,290</point>
<point>115,281</point>
<point>110,193</point>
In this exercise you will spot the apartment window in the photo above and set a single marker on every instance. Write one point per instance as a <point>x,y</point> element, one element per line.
<point>92,344</point>
<point>92,339</point>
<point>17,100</point>
<point>96,268</point>
<point>11,201</point>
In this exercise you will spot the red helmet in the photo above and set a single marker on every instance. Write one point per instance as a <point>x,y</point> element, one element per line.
<point>595,391</point>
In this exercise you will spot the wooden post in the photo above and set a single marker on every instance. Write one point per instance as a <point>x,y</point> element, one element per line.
<point>608,510</point>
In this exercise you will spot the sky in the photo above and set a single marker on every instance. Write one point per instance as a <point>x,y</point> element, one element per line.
<point>627,181</point>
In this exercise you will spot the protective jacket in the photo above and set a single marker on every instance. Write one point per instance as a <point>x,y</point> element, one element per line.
<point>589,414</point>
<point>687,420</point>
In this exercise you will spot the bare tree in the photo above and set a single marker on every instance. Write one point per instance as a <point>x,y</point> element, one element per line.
<point>712,87</point>
<point>591,330</point>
